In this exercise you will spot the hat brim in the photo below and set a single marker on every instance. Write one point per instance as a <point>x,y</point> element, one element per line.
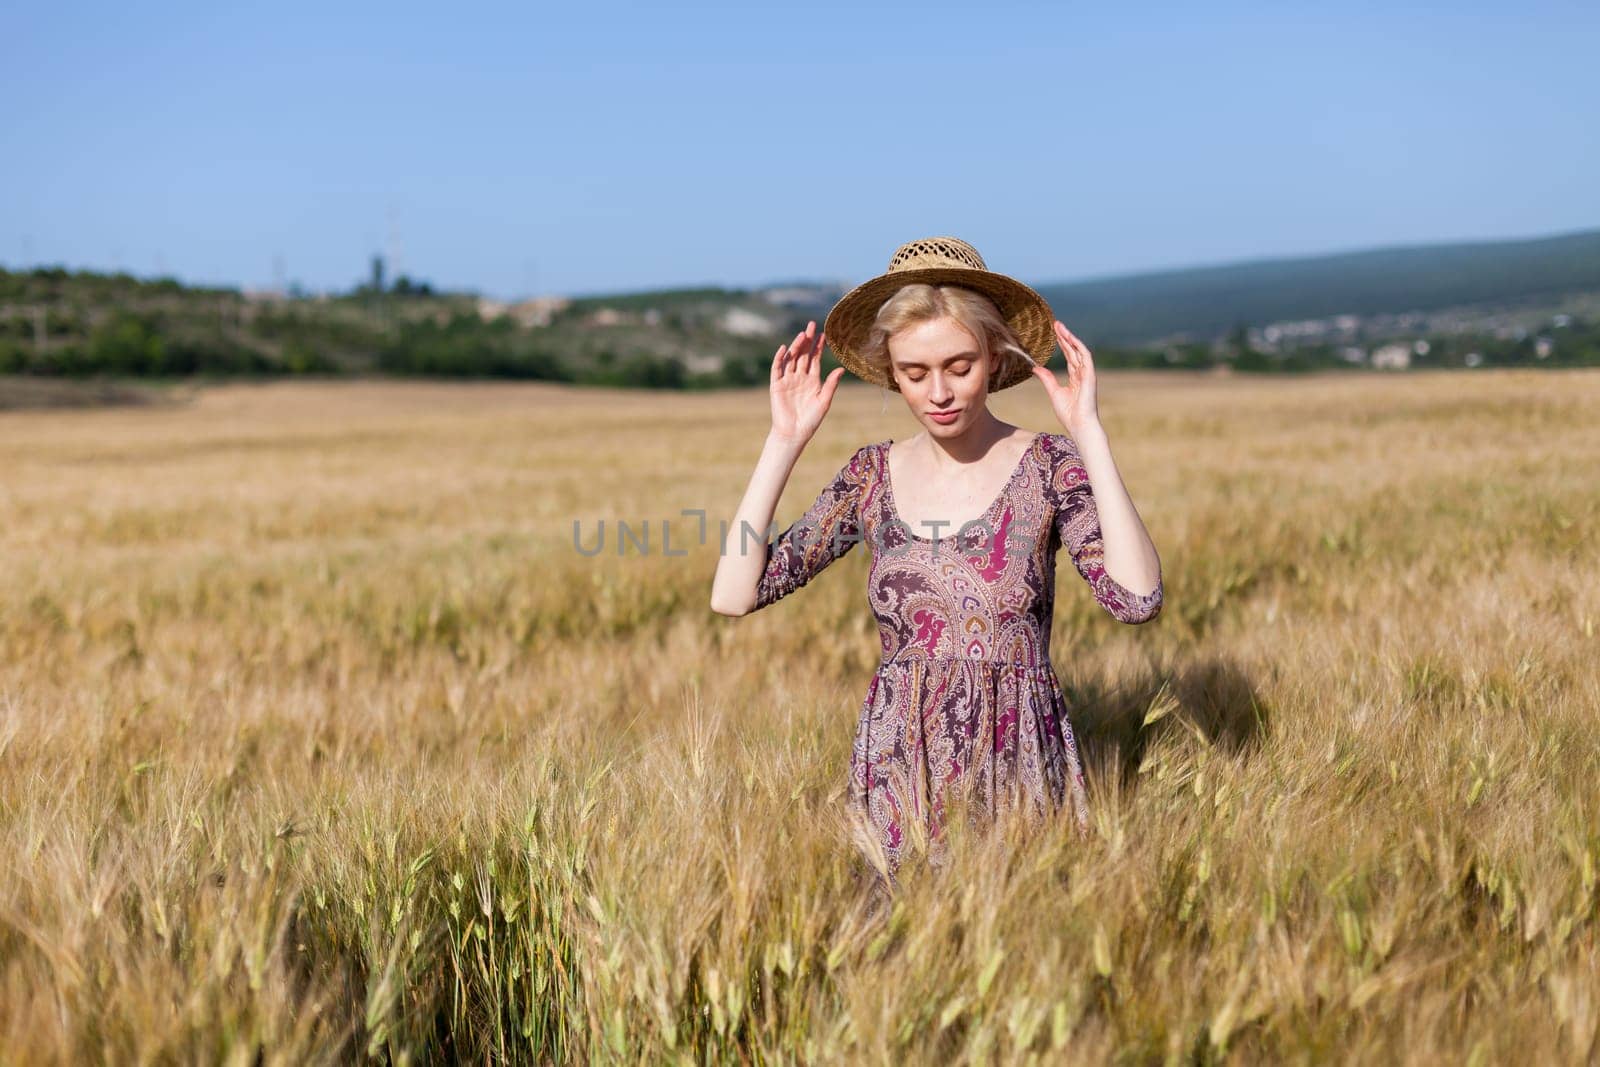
<point>1025,311</point>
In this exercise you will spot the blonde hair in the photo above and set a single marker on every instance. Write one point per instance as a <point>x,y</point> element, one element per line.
<point>920,302</point>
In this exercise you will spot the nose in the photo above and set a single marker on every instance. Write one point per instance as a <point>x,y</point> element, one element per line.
<point>941,390</point>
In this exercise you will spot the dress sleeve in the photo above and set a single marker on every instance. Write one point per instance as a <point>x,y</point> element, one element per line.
<point>830,527</point>
<point>1077,528</point>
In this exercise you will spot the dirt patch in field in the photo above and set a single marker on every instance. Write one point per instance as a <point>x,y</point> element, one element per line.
<point>18,393</point>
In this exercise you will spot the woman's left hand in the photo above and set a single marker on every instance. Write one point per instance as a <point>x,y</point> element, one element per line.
<point>1074,403</point>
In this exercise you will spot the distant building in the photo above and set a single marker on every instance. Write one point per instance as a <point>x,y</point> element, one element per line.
<point>746,323</point>
<point>538,311</point>
<point>1392,357</point>
<point>1542,347</point>
<point>527,313</point>
<point>1306,328</point>
<point>703,364</point>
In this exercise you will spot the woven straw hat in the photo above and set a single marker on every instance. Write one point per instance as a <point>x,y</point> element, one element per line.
<point>940,261</point>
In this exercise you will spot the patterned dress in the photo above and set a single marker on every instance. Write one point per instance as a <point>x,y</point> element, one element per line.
<point>965,699</point>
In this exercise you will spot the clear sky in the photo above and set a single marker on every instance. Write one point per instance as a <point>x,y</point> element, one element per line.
<point>596,146</point>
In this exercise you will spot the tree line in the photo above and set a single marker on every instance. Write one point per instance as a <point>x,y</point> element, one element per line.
<point>82,324</point>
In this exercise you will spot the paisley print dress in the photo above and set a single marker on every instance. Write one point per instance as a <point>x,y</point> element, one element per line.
<point>965,699</point>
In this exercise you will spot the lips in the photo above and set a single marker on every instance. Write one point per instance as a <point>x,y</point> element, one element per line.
<point>944,416</point>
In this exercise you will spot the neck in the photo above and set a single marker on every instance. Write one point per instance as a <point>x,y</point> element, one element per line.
<point>972,445</point>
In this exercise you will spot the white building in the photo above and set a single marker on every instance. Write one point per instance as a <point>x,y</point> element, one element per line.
<point>1392,357</point>
<point>746,323</point>
<point>538,310</point>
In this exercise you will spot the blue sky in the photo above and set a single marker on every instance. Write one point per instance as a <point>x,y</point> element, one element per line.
<point>596,147</point>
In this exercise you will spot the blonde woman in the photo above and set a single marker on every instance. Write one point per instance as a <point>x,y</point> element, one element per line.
<point>964,522</point>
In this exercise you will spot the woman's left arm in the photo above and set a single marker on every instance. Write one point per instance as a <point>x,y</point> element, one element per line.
<point>1130,555</point>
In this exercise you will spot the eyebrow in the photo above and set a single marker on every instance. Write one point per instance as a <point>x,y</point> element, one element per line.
<point>905,363</point>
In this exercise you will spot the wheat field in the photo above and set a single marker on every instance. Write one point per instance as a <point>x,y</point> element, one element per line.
<point>322,741</point>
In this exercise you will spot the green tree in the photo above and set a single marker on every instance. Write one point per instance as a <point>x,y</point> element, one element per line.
<point>128,344</point>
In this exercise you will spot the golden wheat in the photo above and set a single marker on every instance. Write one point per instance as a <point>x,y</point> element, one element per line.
<point>320,739</point>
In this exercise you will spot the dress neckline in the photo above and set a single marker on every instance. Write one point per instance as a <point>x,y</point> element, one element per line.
<point>894,509</point>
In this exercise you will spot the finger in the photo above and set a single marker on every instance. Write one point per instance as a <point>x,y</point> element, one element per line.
<point>832,384</point>
<point>1064,339</point>
<point>1078,341</point>
<point>777,364</point>
<point>816,353</point>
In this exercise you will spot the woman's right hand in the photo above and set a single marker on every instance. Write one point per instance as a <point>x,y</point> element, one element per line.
<point>799,397</point>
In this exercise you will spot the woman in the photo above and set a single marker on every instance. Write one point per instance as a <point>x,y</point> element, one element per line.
<point>965,520</point>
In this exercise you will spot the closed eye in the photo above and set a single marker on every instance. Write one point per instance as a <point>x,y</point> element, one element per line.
<point>961,373</point>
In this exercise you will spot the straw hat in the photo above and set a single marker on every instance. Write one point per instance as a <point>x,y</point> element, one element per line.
<point>940,261</point>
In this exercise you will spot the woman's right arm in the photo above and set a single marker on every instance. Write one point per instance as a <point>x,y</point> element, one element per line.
<point>744,556</point>
<point>800,399</point>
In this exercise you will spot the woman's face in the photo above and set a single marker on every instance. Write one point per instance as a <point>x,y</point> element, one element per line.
<point>938,368</point>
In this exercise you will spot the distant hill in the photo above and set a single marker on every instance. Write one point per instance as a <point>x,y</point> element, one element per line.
<point>1206,302</point>
<point>1531,302</point>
